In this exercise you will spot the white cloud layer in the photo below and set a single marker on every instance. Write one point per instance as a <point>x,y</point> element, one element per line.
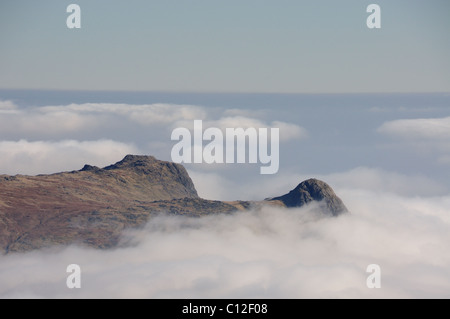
<point>424,137</point>
<point>35,140</point>
<point>6,106</point>
<point>144,114</point>
<point>24,157</point>
<point>52,120</point>
<point>48,121</point>
<point>267,254</point>
<point>437,128</point>
<point>401,222</point>
<point>288,131</point>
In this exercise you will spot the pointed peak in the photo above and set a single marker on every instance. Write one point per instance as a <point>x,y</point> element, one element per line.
<point>314,190</point>
<point>89,168</point>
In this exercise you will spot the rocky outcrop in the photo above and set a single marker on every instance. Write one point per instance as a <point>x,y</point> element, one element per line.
<point>94,205</point>
<point>314,190</point>
<point>90,206</point>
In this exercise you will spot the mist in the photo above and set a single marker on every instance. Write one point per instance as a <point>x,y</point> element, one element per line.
<point>269,253</point>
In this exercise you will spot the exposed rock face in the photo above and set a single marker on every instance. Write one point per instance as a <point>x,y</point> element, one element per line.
<point>92,206</point>
<point>314,190</point>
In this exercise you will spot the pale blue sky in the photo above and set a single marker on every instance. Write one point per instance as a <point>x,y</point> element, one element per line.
<point>226,46</point>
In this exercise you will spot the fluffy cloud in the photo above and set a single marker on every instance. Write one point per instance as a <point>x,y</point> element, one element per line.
<point>24,157</point>
<point>287,131</point>
<point>271,253</point>
<point>7,106</point>
<point>72,118</point>
<point>437,128</point>
<point>143,114</point>
<point>427,137</point>
<point>94,120</point>
<point>148,126</point>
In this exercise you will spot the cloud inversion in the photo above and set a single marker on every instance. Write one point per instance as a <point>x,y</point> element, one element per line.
<point>271,253</point>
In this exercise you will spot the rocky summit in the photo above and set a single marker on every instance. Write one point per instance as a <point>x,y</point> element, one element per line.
<point>92,206</point>
<point>314,190</point>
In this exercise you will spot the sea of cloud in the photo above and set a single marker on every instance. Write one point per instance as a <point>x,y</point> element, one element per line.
<point>269,253</point>
<point>424,135</point>
<point>49,139</point>
<point>398,221</point>
<point>427,128</point>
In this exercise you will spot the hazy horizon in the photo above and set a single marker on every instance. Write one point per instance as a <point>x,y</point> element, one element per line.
<point>255,46</point>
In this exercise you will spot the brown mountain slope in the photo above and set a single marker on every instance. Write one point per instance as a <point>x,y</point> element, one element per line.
<point>92,206</point>
<point>46,209</point>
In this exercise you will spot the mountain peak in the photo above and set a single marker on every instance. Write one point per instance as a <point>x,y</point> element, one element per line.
<point>314,190</point>
<point>133,161</point>
<point>92,206</point>
<point>89,168</point>
<point>165,175</point>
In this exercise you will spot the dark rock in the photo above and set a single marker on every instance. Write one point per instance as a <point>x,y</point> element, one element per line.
<point>94,205</point>
<point>89,168</point>
<point>133,161</point>
<point>314,190</point>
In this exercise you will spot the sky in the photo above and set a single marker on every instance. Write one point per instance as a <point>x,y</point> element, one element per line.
<point>226,46</point>
<point>365,110</point>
